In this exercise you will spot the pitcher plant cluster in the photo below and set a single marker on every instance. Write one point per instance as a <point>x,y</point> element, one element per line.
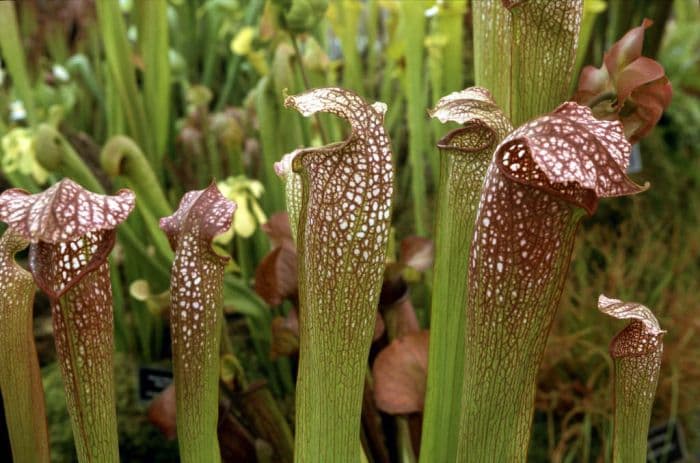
<point>516,178</point>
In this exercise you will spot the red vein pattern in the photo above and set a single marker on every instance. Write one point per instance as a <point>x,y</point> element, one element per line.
<point>636,353</point>
<point>343,231</point>
<point>525,230</point>
<point>196,291</point>
<point>72,232</point>
<point>20,379</point>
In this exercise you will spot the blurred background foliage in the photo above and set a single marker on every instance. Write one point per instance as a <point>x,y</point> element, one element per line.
<point>164,96</point>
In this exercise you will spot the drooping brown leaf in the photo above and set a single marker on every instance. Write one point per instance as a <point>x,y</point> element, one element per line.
<point>400,373</point>
<point>628,86</point>
<point>278,229</point>
<point>72,232</point>
<point>343,231</point>
<point>276,276</point>
<point>636,352</point>
<point>196,289</point>
<point>285,335</point>
<point>162,411</point>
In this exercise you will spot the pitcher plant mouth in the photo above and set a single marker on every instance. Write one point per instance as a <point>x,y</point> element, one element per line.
<point>342,211</point>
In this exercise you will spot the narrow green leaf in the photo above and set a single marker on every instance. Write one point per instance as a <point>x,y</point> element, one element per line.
<point>154,45</point>
<point>13,56</point>
<point>196,290</point>
<point>123,75</point>
<point>343,232</point>
<point>465,154</point>
<point>20,379</point>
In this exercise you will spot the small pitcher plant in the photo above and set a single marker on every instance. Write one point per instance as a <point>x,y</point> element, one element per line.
<point>196,316</point>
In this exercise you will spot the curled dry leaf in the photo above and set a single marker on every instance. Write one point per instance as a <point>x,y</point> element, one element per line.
<point>196,289</point>
<point>343,230</point>
<point>465,154</point>
<point>20,378</point>
<point>628,86</point>
<point>636,352</point>
<point>72,232</point>
<point>400,371</point>
<point>525,230</point>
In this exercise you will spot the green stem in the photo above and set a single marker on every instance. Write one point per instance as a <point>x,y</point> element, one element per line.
<point>123,76</point>
<point>55,154</point>
<point>153,41</point>
<point>14,58</point>
<point>85,353</point>
<point>342,236</point>
<point>20,379</point>
<point>122,157</point>
<point>464,159</point>
<point>413,21</point>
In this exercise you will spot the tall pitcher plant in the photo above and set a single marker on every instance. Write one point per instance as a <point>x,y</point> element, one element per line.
<point>342,233</point>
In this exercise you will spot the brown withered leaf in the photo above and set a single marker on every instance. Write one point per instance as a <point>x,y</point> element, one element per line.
<point>278,230</point>
<point>400,373</point>
<point>285,335</point>
<point>162,410</point>
<point>417,252</point>
<point>276,276</point>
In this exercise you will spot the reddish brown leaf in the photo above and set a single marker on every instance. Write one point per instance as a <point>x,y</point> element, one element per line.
<point>278,230</point>
<point>400,373</point>
<point>162,411</point>
<point>276,276</point>
<point>285,335</point>
<point>570,155</point>
<point>524,235</point>
<point>628,87</point>
<point>417,252</point>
